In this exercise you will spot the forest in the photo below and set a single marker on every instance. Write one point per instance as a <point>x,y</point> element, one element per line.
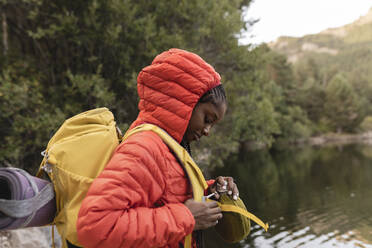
<point>59,58</point>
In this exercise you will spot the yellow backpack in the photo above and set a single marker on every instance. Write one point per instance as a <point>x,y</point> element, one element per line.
<point>74,156</point>
<point>80,150</point>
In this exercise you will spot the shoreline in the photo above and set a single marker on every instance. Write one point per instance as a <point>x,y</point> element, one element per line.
<point>328,139</point>
<point>334,139</point>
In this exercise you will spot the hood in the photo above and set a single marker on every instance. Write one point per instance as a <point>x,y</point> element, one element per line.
<point>170,88</point>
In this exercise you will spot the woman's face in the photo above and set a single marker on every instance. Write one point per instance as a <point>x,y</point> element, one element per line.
<point>203,117</point>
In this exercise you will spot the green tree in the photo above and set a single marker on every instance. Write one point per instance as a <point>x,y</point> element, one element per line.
<point>311,98</point>
<point>65,57</point>
<point>279,85</point>
<point>343,107</point>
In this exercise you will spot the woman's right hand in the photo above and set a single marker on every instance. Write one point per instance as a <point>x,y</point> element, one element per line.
<point>206,214</point>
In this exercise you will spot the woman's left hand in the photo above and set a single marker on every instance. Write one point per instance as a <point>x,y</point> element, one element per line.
<point>224,185</point>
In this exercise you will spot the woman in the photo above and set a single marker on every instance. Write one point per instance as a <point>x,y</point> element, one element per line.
<point>143,197</point>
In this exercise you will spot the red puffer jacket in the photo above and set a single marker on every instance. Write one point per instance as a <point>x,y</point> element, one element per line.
<point>137,201</point>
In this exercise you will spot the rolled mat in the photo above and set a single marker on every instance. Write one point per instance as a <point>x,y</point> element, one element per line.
<point>25,200</point>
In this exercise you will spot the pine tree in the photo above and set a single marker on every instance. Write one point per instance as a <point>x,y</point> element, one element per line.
<point>343,107</point>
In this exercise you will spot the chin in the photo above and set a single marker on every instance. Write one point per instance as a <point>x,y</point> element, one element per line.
<point>189,140</point>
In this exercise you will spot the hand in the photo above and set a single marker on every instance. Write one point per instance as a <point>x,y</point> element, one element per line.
<point>222,185</point>
<point>206,214</point>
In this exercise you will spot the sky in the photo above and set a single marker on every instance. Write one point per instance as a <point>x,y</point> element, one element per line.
<point>297,18</point>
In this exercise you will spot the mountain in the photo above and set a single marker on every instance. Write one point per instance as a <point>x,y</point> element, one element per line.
<point>332,73</point>
<point>330,42</point>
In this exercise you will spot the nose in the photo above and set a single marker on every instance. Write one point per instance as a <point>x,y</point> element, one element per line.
<point>206,130</point>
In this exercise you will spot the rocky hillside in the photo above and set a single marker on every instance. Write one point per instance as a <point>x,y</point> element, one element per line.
<point>332,74</point>
<point>356,37</point>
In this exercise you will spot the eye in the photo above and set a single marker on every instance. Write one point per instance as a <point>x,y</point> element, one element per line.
<point>208,120</point>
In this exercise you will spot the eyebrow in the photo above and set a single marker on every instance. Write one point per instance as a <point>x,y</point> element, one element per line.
<point>213,113</point>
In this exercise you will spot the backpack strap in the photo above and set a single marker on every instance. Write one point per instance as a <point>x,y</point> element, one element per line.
<point>194,173</point>
<point>236,209</point>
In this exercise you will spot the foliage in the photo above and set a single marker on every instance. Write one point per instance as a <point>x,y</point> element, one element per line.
<point>65,57</point>
<point>25,120</point>
<point>60,58</point>
<point>342,105</point>
<point>330,100</point>
<point>366,124</point>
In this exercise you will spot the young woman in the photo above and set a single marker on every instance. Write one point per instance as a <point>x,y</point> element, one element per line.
<point>143,197</point>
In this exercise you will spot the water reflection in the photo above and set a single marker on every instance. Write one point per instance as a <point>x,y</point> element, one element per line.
<point>311,197</point>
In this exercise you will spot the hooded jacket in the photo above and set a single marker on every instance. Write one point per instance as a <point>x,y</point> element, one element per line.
<point>137,201</point>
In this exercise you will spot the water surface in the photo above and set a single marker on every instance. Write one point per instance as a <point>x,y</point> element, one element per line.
<point>311,197</point>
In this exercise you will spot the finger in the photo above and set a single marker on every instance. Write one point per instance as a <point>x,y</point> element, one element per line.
<point>222,189</point>
<point>213,220</point>
<point>211,204</point>
<point>221,182</point>
<point>231,185</point>
<point>233,188</point>
<point>235,193</point>
<point>215,217</point>
<point>218,216</point>
<point>222,186</point>
<point>213,211</point>
<point>209,224</point>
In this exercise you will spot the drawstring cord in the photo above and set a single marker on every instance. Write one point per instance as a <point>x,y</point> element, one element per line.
<point>53,241</point>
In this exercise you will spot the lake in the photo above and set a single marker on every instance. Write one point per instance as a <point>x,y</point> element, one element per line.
<point>311,197</point>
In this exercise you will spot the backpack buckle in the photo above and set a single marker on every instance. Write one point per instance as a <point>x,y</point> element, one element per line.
<point>46,167</point>
<point>119,133</point>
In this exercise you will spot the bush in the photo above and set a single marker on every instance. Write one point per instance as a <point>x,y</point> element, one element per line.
<point>366,124</point>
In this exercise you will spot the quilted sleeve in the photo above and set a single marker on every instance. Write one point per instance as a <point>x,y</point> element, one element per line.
<point>119,211</point>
